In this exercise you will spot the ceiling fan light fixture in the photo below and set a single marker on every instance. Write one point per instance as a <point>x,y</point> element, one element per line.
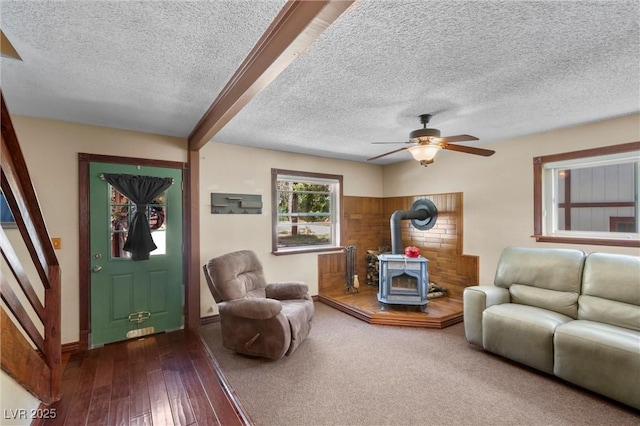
<point>425,153</point>
<point>416,135</point>
<point>427,143</point>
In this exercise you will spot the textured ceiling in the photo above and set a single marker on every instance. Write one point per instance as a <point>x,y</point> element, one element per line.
<point>153,66</point>
<point>493,69</point>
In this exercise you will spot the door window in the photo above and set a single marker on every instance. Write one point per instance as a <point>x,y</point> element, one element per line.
<point>121,213</point>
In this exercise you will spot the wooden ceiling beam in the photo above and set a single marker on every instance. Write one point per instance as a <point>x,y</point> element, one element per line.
<point>6,48</point>
<point>296,27</point>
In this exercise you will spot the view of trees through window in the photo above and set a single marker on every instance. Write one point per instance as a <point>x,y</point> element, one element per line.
<point>304,214</point>
<point>306,211</point>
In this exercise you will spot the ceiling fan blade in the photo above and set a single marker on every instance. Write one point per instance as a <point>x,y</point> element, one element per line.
<point>382,143</point>
<point>386,153</point>
<point>458,138</point>
<point>469,150</point>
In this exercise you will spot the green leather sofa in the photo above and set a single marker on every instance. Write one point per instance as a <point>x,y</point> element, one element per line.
<point>565,313</point>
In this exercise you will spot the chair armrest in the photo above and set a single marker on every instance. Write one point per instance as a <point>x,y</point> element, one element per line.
<point>253,308</point>
<point>475,300</point>
<point>287,290</point>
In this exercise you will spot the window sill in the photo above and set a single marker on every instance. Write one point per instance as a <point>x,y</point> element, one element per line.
<point>306,250</point>
<point>590,241</point>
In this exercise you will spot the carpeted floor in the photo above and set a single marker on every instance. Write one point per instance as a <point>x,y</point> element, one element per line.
<point>349,372</point>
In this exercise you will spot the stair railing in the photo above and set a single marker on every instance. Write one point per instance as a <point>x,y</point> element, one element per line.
<point>34,360</point>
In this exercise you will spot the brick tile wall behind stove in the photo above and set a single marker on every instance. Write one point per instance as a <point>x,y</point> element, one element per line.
<point>366,225</point>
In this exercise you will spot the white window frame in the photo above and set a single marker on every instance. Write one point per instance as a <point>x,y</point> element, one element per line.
<point>546,200</point>
<point>335,216</point>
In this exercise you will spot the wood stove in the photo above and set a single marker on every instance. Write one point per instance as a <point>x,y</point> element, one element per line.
<point>403,281</point>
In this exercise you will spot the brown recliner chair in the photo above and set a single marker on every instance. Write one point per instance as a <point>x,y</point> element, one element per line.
<point>258,319</point>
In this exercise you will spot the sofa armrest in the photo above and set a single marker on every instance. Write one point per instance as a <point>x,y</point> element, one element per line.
<point>253,308</point>
<point>287,290</point>
<point>475,300</point>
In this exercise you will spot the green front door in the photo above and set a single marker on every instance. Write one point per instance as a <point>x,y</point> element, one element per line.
<point>132,298</point>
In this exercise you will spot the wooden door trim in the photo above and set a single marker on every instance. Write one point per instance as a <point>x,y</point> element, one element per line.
<point>192,243</point>
<point>191,285</point>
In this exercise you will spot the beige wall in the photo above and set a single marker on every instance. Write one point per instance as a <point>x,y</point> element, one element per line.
<point>51,151</point>
<point>498,199</point>
<point>498,190</point>
<point>15,398</point>
<point>235,169</point>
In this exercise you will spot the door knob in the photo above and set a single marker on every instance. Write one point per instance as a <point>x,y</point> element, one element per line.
<point>96,268</point>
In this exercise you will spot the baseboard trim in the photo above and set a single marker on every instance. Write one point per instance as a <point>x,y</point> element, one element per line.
<point>70,347</point>
<point>210,319</point>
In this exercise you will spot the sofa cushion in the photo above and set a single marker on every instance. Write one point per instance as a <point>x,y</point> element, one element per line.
<point>522,333</point>
<point>600,357</point>
<point>254,308</point>
<point>551,269</point>
<point>613,277</point>
<point>287,290</point>
<point>237,275</point>
<point>611,290</point>
<point>562,302</point>
<point>609,312</point>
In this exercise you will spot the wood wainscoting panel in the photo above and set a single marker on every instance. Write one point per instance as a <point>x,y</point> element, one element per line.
<point>366,226</point>
<point>331,272</point>
<point>21,361</point>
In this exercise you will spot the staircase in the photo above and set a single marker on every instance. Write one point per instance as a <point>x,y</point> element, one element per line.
<point>30,336</point>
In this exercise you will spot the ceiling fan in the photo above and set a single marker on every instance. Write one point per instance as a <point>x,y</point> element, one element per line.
<point>426,142</point>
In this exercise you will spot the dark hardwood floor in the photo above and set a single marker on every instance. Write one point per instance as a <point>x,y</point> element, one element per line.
<point>164,379</point>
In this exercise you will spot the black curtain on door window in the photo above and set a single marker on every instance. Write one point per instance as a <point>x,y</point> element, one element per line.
<point>141,190</point>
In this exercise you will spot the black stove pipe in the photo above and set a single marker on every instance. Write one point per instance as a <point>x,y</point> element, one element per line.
<point>396,234</point>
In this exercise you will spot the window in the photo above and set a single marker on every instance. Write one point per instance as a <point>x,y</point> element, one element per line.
<point>122,210</point>
<point>588,197</point>
<point>305,211</point>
